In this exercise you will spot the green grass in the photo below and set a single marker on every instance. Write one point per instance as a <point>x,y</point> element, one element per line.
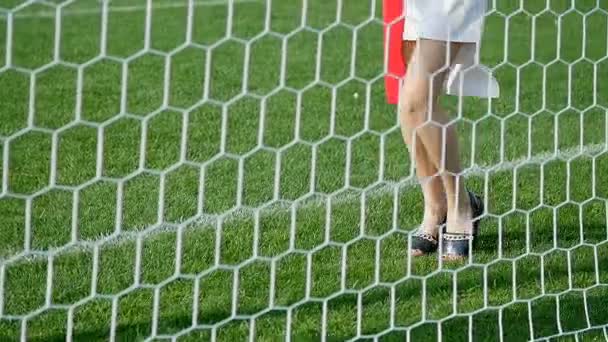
<point>314,239</point>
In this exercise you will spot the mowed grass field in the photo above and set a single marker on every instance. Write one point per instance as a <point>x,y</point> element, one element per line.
<point>217,178</point>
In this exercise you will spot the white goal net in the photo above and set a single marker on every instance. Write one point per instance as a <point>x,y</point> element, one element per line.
<point>230,170</point>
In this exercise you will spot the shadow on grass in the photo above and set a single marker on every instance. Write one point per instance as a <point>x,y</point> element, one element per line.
<point>515,238</point>
<point>494,299</point>
<point>486,324</point>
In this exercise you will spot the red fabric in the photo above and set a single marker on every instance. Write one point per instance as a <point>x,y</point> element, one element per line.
<point>393,32</point>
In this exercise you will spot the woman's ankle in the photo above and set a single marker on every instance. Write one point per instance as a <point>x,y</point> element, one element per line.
<point>434,217</point>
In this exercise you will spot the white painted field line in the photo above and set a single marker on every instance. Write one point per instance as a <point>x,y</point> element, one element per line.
<point>476,171</point>
<point>124,9</point>
<point>567,153</point>
<point>205,221</point>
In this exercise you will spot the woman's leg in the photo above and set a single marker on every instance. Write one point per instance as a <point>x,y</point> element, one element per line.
<point>435,206</point>
<point>427,127</point>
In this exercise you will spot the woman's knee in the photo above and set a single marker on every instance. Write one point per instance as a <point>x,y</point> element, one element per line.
<point>413,106</point>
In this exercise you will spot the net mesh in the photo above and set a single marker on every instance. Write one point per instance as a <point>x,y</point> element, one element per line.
<point>229,170</point>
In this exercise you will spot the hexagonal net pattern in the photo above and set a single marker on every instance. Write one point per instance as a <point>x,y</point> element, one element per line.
<point>230,170</point>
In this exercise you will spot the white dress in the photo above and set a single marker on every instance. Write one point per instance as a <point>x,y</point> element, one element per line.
<point>454,21</point>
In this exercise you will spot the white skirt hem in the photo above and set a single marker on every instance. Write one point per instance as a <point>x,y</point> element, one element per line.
<point>454,21</point>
